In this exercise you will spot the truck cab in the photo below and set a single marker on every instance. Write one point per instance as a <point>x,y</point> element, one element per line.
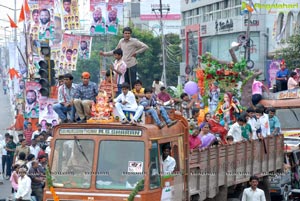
<point>108,161</point>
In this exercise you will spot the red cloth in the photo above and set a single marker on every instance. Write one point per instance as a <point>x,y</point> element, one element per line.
<point>194,141</point>
<point>217,128</point>
<point>164,96</point>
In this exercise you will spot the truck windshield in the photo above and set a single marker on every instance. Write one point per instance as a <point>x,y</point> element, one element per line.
<point>72,163</point>
<point>289,118</point>
<point>120,164</point>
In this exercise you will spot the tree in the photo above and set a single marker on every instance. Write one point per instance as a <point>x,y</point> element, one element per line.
<point>291,53</point>
<point>149,66</point>
<point>174,57</point>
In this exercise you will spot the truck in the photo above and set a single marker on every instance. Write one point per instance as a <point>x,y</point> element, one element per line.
<point>112,161</point>
<point>287,105</point>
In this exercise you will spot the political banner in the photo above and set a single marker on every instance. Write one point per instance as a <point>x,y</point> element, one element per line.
<point>69,51</point>
<point>114,14</point>
<point>31,100</point>
<point>85,47</point>
<point>70,14</point>
<point>46,27</point>
<point>47,114</point>
<point>98,12</point>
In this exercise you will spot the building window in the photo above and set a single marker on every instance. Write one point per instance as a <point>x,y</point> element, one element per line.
<point>279,29</point>
<point>289,26</point>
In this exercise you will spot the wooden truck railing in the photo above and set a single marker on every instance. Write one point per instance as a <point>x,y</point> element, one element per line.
<point>228,165</point>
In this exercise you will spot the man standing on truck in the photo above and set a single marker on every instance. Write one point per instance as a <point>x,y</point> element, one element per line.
<point>168,162</point>
<point>253,193</point>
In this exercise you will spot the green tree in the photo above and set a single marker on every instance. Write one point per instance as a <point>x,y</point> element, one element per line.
<point>291,53</point>
<point>173,58</point>
<point>149,66</point>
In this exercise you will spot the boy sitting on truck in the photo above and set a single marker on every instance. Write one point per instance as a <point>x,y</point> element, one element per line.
<point>150,106</point>
<point>126,101</point>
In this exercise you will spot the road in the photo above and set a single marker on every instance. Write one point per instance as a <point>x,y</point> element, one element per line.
<point>5,121</point>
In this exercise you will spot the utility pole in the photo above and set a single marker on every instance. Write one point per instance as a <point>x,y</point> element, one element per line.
<point>162,8</point>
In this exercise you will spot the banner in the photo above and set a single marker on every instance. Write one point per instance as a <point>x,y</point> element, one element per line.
<point>114,14</point>
<point>85,47</point>
<point>47,114</point>
<point>70,14</point>
<point>46,30</point>
<point>98,13</point>
<point>69,52</point>
<point>31,100</point>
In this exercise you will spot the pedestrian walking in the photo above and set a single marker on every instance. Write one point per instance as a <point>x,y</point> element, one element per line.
<point>253,193</point>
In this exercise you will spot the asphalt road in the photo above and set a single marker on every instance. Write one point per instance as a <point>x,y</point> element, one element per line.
<point>5,121</point>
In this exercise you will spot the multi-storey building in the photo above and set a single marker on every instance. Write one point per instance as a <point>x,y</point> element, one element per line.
<point>212,26</point>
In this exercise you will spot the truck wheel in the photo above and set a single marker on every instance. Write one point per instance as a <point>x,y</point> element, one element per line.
<point>195,197</point>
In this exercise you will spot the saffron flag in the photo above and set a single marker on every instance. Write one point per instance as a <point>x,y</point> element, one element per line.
<point>12,23</point>
<point>26,6</point>
<point>22,14</point>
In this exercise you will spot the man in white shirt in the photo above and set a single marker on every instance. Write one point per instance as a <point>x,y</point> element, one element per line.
<point>24,186</point>
<point>37,132</point>
<point>253,193</point>
<point>252,121</point>
<point>235,130</point>
<point>263,119</point>
<point>126,101</point>
<point>34,148</point>
<point>168,162</point>
<point>156,85</point>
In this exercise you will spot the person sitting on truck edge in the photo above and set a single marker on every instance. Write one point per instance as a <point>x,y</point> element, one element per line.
<point>168,162</point>
<point>126,101</point>
<point>163,98</point>
<point>187,105</point>
<point>108,84</point>
<point>253,193</point>
<point>138,90</point>
<point>65,99</point>
<point>274,122</point>
<point>85,95</point>
<point>149,103</point>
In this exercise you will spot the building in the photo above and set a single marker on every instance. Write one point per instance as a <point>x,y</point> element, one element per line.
<point>212,26</point>
<point>144,14</point>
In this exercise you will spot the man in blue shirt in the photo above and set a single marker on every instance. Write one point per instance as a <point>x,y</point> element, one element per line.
<point>282,77</point>
<point>274,122</point>
<point>84,97</point>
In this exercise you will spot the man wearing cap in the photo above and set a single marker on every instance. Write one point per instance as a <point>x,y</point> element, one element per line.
<point>84,97</point>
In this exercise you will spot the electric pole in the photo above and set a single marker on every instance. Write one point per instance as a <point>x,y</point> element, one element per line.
<point>160,9</point>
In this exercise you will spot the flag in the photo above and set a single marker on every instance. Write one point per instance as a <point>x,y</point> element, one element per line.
<point>26,6</point>
<point>22,14</point>
<point>12,23</point>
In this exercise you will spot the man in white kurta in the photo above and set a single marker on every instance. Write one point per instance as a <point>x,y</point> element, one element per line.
<point>24,186</point>
<point>253,193</point>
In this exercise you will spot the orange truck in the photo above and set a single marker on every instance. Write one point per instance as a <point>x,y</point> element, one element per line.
<point>111,161</point>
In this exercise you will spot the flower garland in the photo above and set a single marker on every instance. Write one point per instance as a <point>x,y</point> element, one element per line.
<point>50,184</point>
<point>139,186</point>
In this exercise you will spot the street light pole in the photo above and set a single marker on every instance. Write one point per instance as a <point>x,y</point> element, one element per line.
<point>160,9</point>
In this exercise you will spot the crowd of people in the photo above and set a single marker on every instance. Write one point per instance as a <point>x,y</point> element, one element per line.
<point>24,163</point>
